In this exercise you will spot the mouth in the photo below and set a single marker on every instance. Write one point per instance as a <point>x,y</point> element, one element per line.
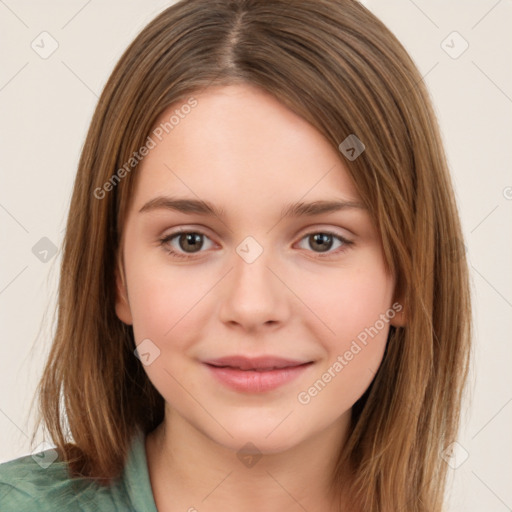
<point>262,363</point>
<point>256,375</point>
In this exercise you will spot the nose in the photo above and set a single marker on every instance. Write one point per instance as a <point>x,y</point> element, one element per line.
<point>253,295</point>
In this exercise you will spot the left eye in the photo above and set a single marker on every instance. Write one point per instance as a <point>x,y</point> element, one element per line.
<point>325,240</point>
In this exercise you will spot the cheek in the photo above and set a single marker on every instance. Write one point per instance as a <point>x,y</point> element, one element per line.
<point>165,302</point>
<point>162,296</point>
<point>352,309</point>
<point>352,304</point>
<point>347,300</point>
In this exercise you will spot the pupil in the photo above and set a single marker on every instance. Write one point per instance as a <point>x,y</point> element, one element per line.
<point>193,239</point>
<point>323,241</point>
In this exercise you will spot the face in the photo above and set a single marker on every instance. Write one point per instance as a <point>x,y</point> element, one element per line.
<point>255,278</point>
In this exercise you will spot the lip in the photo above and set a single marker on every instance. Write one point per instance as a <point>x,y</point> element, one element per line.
<point>256,363</point>
<point>256,375</point>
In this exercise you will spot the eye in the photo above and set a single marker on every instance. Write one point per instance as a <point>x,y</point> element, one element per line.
<point>324,242</point>
<point>183,244</point>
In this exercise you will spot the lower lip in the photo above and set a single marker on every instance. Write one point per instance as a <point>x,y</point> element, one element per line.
<point>251,381</point>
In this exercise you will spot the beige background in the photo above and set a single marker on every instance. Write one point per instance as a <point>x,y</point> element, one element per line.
<point>46,105</point>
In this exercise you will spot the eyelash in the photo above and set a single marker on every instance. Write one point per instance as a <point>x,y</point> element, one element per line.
<point>164,241</point>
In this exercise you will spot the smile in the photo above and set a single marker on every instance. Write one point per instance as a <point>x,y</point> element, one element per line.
<point>256,375</point>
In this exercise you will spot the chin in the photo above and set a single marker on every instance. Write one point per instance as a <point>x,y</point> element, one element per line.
<point>257,439</point>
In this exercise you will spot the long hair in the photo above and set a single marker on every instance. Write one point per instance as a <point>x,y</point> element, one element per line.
<point>337,66</point>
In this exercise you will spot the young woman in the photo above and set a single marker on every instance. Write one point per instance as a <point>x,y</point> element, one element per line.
<point>263,304</point>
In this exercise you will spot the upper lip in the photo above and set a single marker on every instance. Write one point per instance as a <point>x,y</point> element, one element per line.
<point>255,363</point>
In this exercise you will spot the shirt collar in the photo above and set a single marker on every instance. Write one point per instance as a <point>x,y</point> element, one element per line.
<point>136,476</point>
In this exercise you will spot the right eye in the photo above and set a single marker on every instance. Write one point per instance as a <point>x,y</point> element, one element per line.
<point>188,243</point>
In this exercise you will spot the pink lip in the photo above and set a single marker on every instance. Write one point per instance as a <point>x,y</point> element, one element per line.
<point>256,375</point>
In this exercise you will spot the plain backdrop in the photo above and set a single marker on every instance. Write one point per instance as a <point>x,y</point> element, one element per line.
<point>46,103</point>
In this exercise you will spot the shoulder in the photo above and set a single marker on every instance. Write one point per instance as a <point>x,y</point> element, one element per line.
<point>41,482</point>
<point>34,482</point>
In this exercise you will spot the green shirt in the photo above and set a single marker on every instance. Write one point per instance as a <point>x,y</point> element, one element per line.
<point>29,486</point>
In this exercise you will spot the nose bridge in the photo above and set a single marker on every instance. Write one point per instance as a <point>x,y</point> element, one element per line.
<point>251,265</point>
<point>254,293</point>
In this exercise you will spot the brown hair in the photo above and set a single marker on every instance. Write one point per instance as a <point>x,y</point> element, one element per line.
<point>336,65</point>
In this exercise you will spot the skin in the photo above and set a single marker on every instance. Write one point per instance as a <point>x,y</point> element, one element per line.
<point>246,153</point>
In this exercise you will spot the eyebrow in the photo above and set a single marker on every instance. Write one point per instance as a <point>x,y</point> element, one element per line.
<point>200,207</point>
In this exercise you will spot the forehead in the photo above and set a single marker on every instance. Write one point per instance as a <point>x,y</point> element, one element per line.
<point>240,143</point>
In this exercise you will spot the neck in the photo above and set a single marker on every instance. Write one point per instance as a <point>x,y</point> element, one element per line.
<point>191,472</point>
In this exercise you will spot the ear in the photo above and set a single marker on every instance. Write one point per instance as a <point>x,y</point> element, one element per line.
<point>123,310</point>
<point>399,320</point>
